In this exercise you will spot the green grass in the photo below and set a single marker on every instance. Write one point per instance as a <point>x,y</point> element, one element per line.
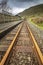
<point>39,25</point>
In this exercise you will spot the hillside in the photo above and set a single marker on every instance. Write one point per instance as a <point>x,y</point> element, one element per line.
<point>38,9</point>
<point>34,14</point>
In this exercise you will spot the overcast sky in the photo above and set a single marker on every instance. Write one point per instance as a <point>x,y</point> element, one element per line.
<point>20,5</point>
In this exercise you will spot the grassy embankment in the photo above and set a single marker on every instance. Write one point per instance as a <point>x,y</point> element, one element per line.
<point>38,21</point>
<point>35,14</point>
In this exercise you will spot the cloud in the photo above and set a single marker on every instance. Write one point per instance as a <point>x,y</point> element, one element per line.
<point>16,10</point>
<point>24,3</point>
<point>25,0</point>
<point>19,5</point>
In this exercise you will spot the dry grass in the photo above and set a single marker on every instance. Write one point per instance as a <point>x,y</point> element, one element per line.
<point>37,20</point>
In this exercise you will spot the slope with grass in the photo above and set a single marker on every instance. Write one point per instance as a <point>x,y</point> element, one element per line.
<point>35,14</point>
<point>35,10</point>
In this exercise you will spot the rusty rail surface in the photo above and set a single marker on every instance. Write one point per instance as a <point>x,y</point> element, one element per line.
<point>36,47</point>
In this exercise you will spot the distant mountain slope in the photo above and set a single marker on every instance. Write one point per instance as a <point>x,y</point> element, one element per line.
<point>33,10</point>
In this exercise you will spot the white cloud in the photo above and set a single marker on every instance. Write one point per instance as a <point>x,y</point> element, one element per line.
<point>16,10</point>
<point>18,7</point>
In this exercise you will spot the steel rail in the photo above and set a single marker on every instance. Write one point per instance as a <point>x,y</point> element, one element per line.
<point>10,47</point>
<point>36,46</point>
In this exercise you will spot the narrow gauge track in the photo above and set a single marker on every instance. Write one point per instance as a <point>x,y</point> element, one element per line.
<point>21,50</point>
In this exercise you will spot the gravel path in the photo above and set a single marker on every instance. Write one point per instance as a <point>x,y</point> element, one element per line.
<point>38,34</point>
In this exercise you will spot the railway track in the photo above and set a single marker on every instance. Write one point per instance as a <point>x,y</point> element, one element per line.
<point>6,40</point>
<point>21,48</point>
<point>38,34</point>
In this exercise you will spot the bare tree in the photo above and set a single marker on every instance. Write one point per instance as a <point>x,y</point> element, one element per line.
<point>3,4</point>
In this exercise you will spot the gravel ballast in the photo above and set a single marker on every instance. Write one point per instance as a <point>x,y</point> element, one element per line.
<point>38,34</point>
